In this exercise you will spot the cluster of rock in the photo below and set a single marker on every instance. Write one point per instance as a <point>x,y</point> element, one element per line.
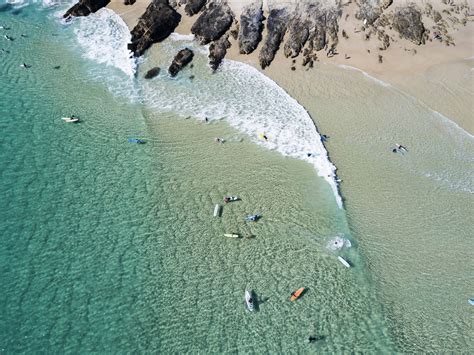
<point>308,26</point>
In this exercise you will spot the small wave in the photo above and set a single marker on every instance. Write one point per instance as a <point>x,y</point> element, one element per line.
<point>104,37</point>
<point>248,100</point>
<point>367,75</point>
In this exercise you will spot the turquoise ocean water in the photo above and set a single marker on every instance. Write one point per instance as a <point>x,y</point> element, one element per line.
<point>109,246</point>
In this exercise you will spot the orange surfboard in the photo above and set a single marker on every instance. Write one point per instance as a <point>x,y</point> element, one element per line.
<point>295,295</point>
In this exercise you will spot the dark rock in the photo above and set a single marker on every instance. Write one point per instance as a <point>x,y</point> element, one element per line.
<point>183,58</point>
<point>155,25</point>
<point>276,27</point>
<point>407,22</point>
<point>213,22</point>
<point>85,7</point>
<point>217,51</point>
<point>251,27</point>
<point>298,33</point>
<point>152,73</point>
<point>194,6</point>
<point>129,2</point>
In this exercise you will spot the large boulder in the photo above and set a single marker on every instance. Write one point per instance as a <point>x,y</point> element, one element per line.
<point>213,22</point>
<point>150,74</point>
<point>217,51</point>
<point>407,22</point>
<point>183,58</point>
<point>85,7</point>
<point>251,26</point>
<point>276,27</point>
<point>155,25</point>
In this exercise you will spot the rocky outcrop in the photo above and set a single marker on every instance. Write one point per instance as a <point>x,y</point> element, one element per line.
<point>150,74</point>
<point>298,31</point>
<point>183,58</point>
<point>276,27</point>
<point>407,22</point>
<point>370,10</point>
<point>213,22</point>
<point>129,2</point>
<point>156,24</point>
<point>251,26</point>
<point>85,7</point>
<point>217,51</point>
<point>194,6</point>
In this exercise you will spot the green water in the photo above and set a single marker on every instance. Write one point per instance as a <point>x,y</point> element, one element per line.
<point>112,247</point>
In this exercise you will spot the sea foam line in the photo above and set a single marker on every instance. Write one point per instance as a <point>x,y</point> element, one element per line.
<point>104,37</point>
<point>248,100</point>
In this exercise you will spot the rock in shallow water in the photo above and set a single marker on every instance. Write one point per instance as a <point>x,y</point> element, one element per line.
<point>86,7</point>
<point>155,25</point>
<point>217,51</point>
<point>183,58</point>
<point>213,22</point>
<point>152,73</point>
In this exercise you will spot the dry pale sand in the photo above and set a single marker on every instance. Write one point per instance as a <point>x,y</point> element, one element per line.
<point>438,75</point>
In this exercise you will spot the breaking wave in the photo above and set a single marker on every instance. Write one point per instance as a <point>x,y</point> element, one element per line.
<point>239,94</point>
<point>104,37</point>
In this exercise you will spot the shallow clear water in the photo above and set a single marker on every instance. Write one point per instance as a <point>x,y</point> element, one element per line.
<point>411,213</point>
<point>110,246</point>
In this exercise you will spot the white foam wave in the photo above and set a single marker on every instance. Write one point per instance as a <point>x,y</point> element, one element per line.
<point>104,37</point>
<point>179,37</point>
<point>338,242</point>
<point>249,101</point>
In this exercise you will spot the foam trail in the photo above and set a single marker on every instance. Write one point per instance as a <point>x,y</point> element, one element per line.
<point>248,100</point>
<point>367,75</point>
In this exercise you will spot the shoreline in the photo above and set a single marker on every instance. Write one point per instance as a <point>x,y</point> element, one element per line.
<point>430,73</point>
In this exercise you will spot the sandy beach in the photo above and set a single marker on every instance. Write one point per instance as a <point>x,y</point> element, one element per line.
<point>438,75</point>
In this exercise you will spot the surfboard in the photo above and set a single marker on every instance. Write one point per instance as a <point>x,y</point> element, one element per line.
<point>295,295</point>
